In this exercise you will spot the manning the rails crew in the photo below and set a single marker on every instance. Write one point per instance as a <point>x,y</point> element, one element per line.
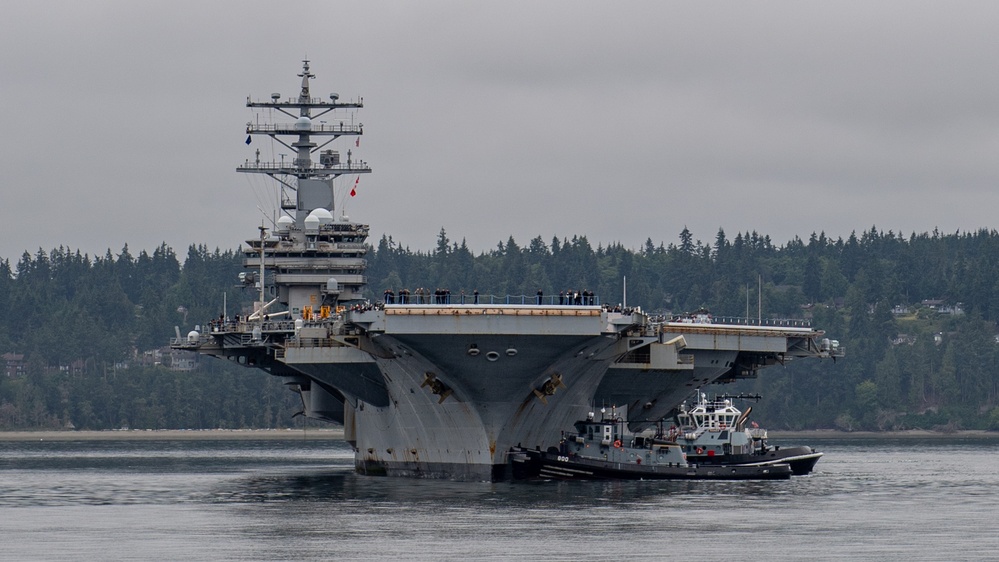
<point>443,296</point>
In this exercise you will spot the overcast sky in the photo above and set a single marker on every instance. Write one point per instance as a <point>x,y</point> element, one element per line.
<point>123,122</point>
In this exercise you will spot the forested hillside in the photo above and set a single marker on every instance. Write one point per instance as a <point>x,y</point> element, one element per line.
<point>916,314</point>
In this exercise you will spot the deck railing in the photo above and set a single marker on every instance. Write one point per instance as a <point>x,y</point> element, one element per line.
<point>464,298</point>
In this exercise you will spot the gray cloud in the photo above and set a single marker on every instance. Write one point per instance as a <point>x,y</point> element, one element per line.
<point>620,121</point>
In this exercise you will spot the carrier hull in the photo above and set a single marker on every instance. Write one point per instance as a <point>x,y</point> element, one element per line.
<point>447,391</point>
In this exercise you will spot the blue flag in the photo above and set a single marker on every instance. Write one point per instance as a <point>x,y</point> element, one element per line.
<point>248,139</point>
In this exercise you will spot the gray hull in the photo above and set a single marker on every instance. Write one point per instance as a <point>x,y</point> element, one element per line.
<point>492,395</point>
<point>446,391</point>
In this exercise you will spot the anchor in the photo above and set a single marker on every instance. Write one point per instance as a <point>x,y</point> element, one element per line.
<point>549,387</point>
<point>436,386</point>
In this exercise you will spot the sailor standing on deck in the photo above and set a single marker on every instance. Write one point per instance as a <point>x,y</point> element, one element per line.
<point>541,295</point>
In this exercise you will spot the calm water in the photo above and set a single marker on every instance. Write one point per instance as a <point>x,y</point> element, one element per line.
<point>267,500</point>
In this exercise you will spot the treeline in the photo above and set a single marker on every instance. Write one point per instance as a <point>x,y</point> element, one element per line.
<point>87,329</point>
<point>216,395</point>
<point>916,369</point>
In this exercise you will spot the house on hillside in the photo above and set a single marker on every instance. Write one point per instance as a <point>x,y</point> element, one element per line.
<point>13,364</point>
<point>183,360</point>
<point>953,310</point>
<point>150,357</point>
<point>941,306</point>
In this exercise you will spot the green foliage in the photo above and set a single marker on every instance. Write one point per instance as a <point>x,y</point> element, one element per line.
<point>218,395</point>
<point>928,369</point>
<point>83,324</point>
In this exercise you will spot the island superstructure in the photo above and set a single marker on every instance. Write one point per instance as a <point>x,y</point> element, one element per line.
<point>439,387</point>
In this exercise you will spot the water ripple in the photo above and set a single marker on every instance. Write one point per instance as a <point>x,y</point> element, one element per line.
<point>272,500</point>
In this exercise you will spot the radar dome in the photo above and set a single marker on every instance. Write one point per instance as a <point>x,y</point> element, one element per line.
<point>325,217</point>
<point>284,223</point>
<point>303,124</point>
<point>312,222</point>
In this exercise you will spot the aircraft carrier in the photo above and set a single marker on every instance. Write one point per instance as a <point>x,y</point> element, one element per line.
<point>428,387</point>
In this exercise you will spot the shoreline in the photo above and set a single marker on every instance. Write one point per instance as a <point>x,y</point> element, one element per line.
<point>906,434</point>
<point>175,435</point>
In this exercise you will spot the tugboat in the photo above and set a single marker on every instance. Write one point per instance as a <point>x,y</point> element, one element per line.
<point>604,450</point>
<point>714,433</point>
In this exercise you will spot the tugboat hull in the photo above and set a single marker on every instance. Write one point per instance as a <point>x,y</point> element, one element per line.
<point>801,459</point>
<point>562,467</point>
